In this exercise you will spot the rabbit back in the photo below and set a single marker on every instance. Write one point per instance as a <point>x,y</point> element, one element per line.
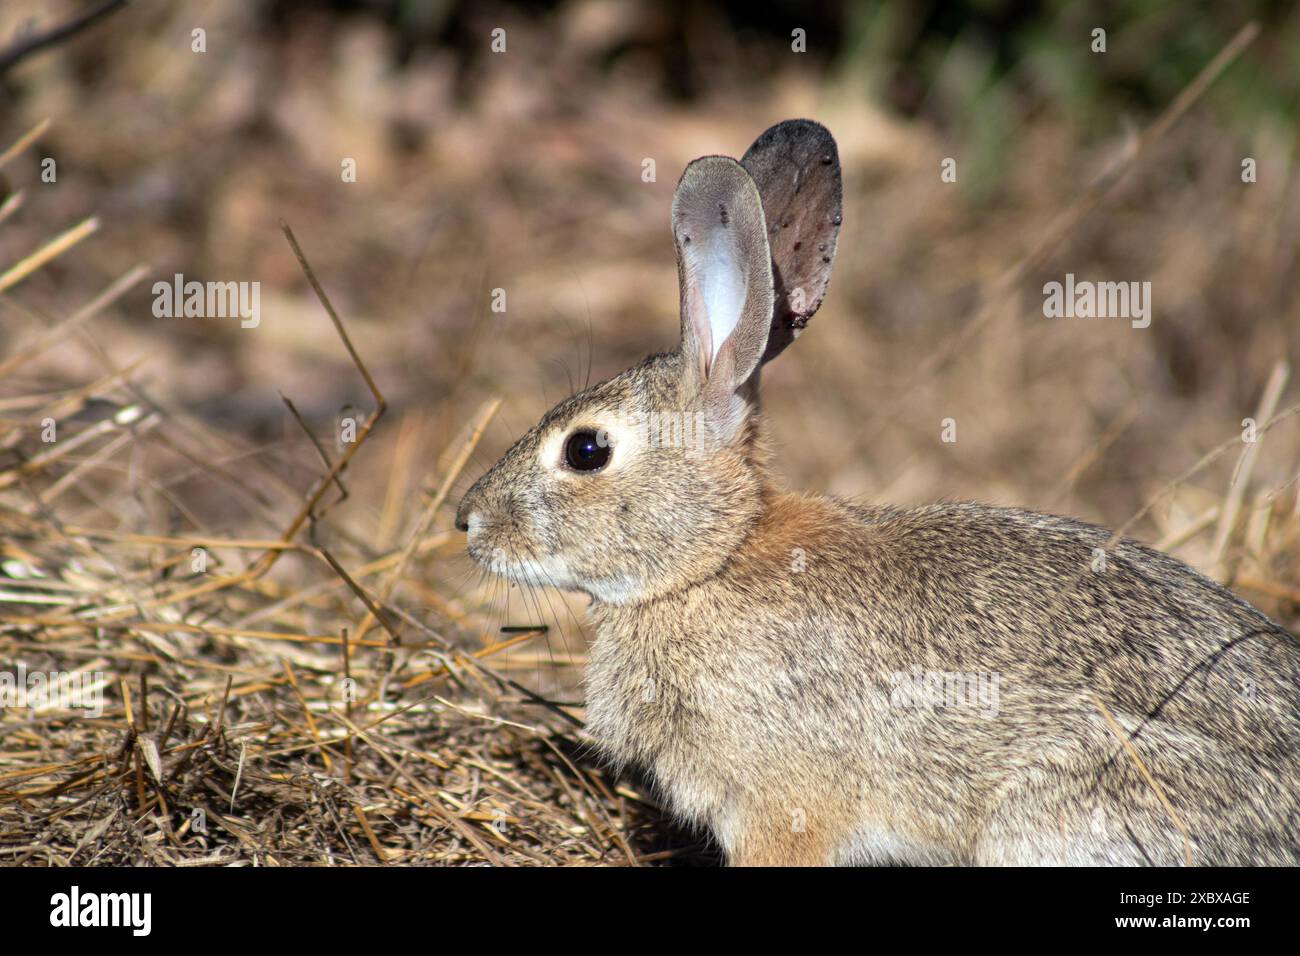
<point>780,694</point>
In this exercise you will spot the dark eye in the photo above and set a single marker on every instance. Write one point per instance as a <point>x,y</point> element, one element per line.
<point>586,450</point>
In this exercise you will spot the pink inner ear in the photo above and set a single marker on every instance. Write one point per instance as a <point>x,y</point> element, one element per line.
<point>716,290</point>
<point>701,330</point>
<point>725,266</point>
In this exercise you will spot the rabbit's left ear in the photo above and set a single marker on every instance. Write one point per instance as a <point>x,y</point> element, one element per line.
<point>796,167</point>
<point>724,268</point>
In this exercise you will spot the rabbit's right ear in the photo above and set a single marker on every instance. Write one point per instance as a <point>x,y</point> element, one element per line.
<point>796,167</point>
<point>724,268</point>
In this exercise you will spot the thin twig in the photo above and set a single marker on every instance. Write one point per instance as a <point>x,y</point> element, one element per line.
<point>57,34</point>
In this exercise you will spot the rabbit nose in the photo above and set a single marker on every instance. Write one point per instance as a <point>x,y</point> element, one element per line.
<point>462,515</point>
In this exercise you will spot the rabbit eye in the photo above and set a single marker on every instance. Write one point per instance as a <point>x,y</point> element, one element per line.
<point>585,450</point>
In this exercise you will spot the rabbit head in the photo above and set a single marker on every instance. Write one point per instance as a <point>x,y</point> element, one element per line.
<point>648,481</point>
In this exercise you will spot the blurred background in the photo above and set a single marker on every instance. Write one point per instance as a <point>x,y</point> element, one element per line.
<point>523,170</point>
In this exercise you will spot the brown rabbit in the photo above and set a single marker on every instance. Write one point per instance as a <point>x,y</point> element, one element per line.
<point>822,682</point>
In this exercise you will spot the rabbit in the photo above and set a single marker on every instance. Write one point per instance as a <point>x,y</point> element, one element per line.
<point>821,682</point>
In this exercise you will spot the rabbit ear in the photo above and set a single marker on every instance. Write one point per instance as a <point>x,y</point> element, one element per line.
<point>724,267</point>
<point>796,167</point>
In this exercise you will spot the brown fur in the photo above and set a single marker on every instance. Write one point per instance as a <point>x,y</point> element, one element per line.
<point>749,641</point>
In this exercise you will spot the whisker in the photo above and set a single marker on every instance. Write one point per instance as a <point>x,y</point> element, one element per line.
<point>568,609</point>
